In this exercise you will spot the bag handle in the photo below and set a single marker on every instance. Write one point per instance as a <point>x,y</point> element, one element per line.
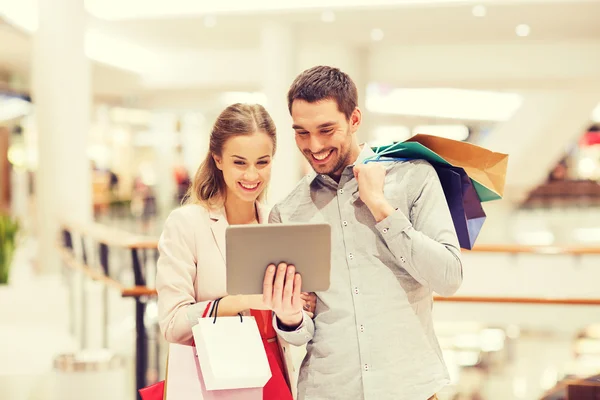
<point>216,310</point>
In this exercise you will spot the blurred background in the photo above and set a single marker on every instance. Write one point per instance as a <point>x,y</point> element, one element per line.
<point>105,111</point>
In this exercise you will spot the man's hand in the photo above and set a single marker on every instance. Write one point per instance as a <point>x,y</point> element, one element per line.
<point>282,294</point>
<point>310,303</point>
<point>371,178</point>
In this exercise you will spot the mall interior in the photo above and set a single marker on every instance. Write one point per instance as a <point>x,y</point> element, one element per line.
<point>106,107</point>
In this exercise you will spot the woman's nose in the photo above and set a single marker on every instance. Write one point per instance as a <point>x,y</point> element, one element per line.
<point>251,174</point>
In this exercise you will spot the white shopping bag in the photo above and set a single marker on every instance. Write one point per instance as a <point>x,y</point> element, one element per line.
<point>231,353</point>
<point>184,380</point>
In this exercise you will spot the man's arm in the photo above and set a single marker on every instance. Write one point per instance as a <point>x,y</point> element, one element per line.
<point>427,248</point>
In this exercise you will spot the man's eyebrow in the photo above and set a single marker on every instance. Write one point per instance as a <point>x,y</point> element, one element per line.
<point>323,125</point>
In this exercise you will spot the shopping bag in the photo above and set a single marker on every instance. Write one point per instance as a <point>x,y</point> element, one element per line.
<point>466,210</point>
<point>153,392</point>
<point>485,168</point>
<point>184,379</point>
<point>231,353</point>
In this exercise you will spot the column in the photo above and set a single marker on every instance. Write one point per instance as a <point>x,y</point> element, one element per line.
<point>163,125</point>
<point>361,80</point>
<point>4,170</point>
<point>62,98</point>
<point>278,60</point>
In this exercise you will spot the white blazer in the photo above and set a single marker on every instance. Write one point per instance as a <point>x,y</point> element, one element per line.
<point>191,271</point>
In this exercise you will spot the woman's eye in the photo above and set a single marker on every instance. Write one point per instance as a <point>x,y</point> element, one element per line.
<point>263,162</point>
<point>239,162</point>
<point>327,131</point>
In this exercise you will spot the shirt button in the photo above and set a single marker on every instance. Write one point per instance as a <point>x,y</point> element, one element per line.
<point>350,256</point>
<point>385,230</point>
<point>366,367</point>
<point>403,259</point>
<point>341,191</point>
<point>355,290</point>
<point>345,223</point>
<point>362,328</point>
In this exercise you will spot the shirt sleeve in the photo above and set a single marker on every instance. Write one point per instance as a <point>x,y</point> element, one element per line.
<point>428,246</point>
<point>275,215</point>
<point>301,335</point>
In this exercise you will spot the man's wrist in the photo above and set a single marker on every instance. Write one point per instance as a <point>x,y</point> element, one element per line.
<point>380,208</point>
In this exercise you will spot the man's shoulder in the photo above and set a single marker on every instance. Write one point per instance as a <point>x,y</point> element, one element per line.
<point>414,168</point>
<point>298,194</point>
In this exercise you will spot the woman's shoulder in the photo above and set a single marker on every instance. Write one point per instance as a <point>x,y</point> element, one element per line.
<point>189,214</point>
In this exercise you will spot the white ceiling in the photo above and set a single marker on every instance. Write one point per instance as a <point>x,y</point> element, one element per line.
<point>556,21</point>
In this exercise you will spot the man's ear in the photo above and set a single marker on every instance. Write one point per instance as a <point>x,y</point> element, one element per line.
<point>355,119</point>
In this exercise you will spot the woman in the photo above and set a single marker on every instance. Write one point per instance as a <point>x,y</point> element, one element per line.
<point>227,189</point>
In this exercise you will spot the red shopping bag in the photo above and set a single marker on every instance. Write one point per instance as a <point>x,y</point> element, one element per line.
<point>153,392</point>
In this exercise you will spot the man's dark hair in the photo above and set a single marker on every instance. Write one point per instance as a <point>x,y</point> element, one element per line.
<point>321,83</point>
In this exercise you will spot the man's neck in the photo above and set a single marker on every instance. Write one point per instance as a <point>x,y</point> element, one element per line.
<point>352,157</point>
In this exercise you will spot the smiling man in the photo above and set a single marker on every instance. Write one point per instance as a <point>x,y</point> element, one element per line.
<point>393,245</point>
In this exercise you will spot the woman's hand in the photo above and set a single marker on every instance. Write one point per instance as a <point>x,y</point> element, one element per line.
<point>282,293</point>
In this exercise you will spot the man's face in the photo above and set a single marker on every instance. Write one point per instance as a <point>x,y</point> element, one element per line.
<point>324,135</point>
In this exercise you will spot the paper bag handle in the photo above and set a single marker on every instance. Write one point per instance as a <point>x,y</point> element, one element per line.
<point>216,310</point>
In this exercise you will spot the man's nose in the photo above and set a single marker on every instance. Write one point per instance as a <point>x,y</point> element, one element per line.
<point>315,144</point>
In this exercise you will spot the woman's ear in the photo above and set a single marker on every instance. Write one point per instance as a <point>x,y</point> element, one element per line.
<point>218,161</point>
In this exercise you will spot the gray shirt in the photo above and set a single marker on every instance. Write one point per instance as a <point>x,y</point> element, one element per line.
<point>372,336</point>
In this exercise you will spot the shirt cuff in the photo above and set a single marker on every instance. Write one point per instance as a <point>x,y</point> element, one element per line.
<point>298,337</point>
<point>393,225</point>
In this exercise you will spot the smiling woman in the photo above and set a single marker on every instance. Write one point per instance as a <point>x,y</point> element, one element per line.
<point>238,164</point>
<point>191,272</point>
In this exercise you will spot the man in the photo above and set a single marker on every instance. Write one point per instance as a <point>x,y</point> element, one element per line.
<point>393,245</point>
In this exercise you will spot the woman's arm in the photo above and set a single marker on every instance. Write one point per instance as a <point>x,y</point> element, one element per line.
<point>176,273</point>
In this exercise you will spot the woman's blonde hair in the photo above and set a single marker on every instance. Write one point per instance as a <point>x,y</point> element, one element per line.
<point>208,187</point>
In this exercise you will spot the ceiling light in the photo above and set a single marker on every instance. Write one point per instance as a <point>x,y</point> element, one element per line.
<point>13,107</point>
<point>384,135</point>
<point>443,103</point>
<point>586,167</point>
<point>328,16</point>
<point>523,30</point>
<point>377,34</point>
<point>479,11</point>
<point>210,21</point>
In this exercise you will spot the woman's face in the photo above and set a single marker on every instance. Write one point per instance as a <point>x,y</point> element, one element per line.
<point>246,165</point>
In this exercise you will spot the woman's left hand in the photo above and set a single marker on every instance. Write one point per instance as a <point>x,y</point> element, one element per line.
<point>309,303</point>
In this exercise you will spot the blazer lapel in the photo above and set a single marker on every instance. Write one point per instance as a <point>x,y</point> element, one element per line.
<point>263,213</point>
<point>218,227</point>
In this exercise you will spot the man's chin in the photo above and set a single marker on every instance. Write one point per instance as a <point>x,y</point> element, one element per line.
<point>321,169</point>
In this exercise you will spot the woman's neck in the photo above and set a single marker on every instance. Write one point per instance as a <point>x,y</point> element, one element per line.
<point>240,212</point>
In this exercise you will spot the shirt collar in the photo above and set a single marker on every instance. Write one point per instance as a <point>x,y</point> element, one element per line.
<point>364,154</point>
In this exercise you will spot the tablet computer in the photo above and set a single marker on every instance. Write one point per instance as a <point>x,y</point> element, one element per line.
<point>251,248</point>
